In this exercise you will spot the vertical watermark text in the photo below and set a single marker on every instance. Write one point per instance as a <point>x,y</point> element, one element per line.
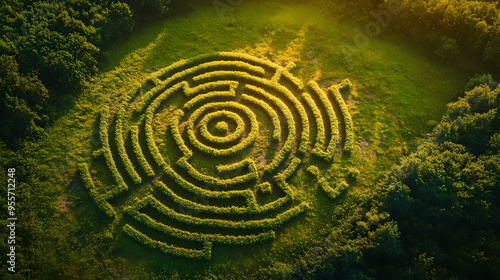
<point>11,219</point>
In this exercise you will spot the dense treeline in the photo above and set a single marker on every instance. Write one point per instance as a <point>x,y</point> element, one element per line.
<point>435,215</point>
<point>448,28</point>
<point>452,27</point>
<point>445,197</point>
<point>48,50</point>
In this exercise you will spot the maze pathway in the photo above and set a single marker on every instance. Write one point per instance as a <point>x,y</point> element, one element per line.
<point>221,162</point>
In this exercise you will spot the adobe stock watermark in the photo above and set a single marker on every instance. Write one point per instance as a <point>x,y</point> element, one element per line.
<point>381,19</point>
<point>11,219</point>
<point>224,6</point>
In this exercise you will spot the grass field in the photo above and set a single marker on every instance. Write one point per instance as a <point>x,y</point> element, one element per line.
<point>398,96</point>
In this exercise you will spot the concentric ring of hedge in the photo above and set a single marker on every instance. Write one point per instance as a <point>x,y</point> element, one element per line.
<point>252,135</point>
<point>211,180</point>
<point>234,135</point>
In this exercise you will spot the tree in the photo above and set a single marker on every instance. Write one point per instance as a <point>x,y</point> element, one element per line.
<point>485,79</point>
<point>22,102</point>
<point>117,21</point>
<point>445,197</point>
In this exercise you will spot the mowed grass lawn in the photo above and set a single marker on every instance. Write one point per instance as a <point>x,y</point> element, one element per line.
<point>399,95</point>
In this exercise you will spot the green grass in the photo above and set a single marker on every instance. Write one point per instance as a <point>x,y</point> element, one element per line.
<point>399,95</point>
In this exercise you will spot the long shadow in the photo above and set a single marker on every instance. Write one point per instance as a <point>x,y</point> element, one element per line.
<point>119,47</point>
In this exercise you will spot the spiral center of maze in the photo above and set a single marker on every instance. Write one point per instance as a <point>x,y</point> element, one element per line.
<point>221,127</point>
<point>219,138</point>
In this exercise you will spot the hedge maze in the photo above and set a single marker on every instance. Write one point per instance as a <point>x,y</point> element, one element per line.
<point>216,140</point>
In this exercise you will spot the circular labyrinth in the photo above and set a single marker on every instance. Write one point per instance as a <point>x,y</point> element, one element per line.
<point>218,138</point>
